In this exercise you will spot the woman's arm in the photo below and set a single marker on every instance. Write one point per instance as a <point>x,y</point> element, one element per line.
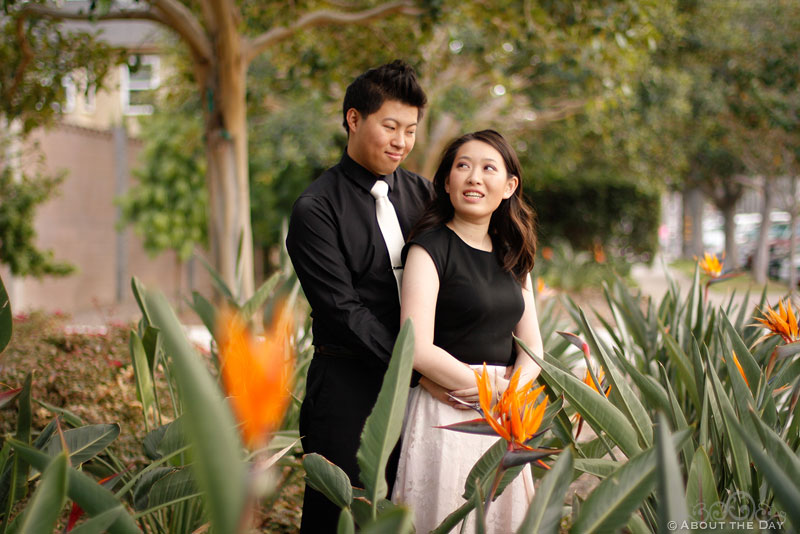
<point>419,294</point>
<point>528,331</point>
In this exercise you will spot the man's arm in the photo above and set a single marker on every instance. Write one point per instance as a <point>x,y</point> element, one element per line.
<point>312,243</point>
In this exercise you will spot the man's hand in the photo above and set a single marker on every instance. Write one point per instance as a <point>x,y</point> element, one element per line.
<point>437,392</point>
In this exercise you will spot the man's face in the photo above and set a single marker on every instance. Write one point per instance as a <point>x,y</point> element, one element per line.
<point>382,140</point>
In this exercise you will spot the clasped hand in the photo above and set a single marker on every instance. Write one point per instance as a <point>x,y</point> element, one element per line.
<point>469,396</point>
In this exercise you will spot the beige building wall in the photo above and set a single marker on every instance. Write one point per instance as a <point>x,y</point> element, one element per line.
<point>79,226</point>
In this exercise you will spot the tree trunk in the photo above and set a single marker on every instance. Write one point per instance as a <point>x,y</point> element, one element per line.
<point>230,231</point>
<point>792,229</point>
<point>728,213</point>
<point>761,253</point>
<point>692,234</point>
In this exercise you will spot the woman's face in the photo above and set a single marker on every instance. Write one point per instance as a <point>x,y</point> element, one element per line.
<point>478,181</point>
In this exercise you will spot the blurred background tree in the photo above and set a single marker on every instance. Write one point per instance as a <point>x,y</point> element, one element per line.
<point>35,58</point>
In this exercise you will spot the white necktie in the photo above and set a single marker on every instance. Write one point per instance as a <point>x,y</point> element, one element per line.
<point>390,228</point>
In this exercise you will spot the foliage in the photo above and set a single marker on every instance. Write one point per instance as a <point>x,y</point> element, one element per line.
<point>19,200</point>
<point>591,210</point>
<point>167,206</point>
<point>562,267</point>
<point>36,58</point>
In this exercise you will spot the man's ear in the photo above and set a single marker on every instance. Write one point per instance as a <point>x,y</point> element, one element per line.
<point>353,119</point>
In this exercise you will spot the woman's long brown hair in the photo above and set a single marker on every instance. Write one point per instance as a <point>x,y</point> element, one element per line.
<point>512,227</point>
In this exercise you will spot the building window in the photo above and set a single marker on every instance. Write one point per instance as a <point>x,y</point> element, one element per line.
<point>77,96</point>
<point>138,83</point>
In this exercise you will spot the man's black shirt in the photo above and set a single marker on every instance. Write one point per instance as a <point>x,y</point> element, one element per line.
<point>340,257</point>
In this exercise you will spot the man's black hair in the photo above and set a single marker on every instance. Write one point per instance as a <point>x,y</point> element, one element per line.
<point>393,81</point>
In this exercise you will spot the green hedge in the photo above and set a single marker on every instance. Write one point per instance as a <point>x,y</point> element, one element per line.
<point>621,215</point>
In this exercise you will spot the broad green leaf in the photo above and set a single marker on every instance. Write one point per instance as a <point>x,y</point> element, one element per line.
<point>701,488</point>
<point>83,443</point>
<point>205,310</point>
<point>208,422</point>
<point>684,367</point>
<point>654,393</point>
<point>398,520</point>
<point>455,517</point>
<point>345,525</point>
<point>143,485</point>
<point>42,512</point>
<point>544,513</point>
<point>65,415</point>
<point>139,294</point>
<point>785,489</point>
<point>751,369</point>
<point>14,481</point>
<point>599,467</point>
<point>671,494</point>
<point>628,402</point>
<point>741,462</point>
<point>143,377</point>
<point>6,318</point>
<point>478,504</point>
<point>777,449</point>
<point>637,525</point>
<point>259,297</point>
<point>678,417</point>
<point>99,523</point>
<point>383,426</point>
<point>173,487</point>
<point>612,502</point>
<point>361,508</point>
<point>219,283</point>
<point>593,407</point>
<point>91,496</point>
<point>328,479</point>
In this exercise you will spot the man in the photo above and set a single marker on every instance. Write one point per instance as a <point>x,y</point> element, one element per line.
<point>337,241</point>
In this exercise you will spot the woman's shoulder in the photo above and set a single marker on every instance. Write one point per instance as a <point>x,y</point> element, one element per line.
<point>435,235</point>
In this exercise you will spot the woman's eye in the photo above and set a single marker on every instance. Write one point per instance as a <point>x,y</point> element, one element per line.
<point>490,168</point>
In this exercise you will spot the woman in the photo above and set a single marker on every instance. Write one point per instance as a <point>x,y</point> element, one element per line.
<point>467,288</point>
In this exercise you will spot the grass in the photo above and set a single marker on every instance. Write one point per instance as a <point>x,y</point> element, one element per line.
<point>742,283</point>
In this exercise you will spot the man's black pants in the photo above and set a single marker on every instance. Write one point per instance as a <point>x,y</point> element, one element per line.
<point>340,394</point>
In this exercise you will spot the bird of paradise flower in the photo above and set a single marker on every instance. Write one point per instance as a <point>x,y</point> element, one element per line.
<point>782,323</point>
<point>713,268</point>
<point>256,372</point>
<point>515,416</point>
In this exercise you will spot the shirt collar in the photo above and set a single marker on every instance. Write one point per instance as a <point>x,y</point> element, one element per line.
<point>360,175</point>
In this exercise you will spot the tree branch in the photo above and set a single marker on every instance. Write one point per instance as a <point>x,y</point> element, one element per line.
<point>169,13</point>
<point>27,57</point>
<point>325,18</point>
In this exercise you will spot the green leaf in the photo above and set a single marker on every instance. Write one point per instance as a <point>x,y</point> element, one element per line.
<point>544,513</point>
<point>612,502</point>
<point>785,489</point>
<point>741,463</point>
<point>144,483</point>
<point>599,467</point>
<point>384,424</point>
<point>99,523</point>
<point>398,520</point>
<point>42,512</point>
<point>751,369</point>
<point>219,283</point>
<point>684,367</point>
<point>13,483</point>
<point>345,525</point>
<point>6,318</point>
<point>621,390</point>
<point>701,487</point>
<point>83,443</point>
<point>205,310</point>
<point>328,479</point>
<point>173,487</point>
<point>143,375</point>
<point>208,422</point>
<point>259,297</point>
<point>593,407</point>
<point>671,494</point>
<point>138,293</point>
<point>777,449</point>
<point>91,496</point>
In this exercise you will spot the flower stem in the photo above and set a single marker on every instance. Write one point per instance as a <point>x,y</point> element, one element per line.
<point>498,476</point>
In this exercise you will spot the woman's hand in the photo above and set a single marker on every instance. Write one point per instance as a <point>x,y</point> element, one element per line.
<point>470,395</point>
